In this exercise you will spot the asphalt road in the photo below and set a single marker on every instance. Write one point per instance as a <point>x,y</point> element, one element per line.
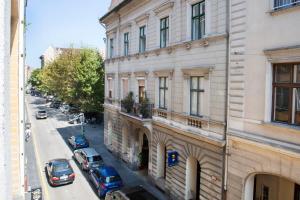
<point>49,138</point>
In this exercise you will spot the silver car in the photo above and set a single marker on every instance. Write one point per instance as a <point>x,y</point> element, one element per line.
<point>41,114</point>
<point>88,158</point>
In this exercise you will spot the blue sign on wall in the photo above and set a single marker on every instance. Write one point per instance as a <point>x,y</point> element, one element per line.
<point>172,158</point>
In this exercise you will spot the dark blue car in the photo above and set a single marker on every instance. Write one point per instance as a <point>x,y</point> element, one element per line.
<point>105,179</point>
<point>78,142</point>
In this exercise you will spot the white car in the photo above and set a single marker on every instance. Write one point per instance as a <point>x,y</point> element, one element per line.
<point>41,114</point>
<point>64,108</point>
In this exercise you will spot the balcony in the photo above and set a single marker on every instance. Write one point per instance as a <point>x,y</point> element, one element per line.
<point>141,111</point>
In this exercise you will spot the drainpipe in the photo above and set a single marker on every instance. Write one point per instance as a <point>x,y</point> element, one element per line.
<point>227,100</point>
<point>5,159</point>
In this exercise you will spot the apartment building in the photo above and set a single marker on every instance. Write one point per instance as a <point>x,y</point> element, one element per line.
<point>166,92</point>
<point>263,117</point>
<point>12,70</point>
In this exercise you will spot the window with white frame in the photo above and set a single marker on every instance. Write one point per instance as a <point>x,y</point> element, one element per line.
<point>198,20</point>
<point>163,89</point>
<point>126,44</point>
<point>196,93</point>
<point>142,39</point>
<point>164,32</point>
<point>286,93</point>
<point>278,4</point>
<point>124,87</point>
<point>110,87</point>
<point>111,47</point>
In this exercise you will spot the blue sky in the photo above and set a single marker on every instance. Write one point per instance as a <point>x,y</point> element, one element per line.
<point>61,23</point>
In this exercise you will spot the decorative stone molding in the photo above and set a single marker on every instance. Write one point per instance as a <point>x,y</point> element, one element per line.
<point>188,45</point>
<point>137,55</point>
<point>141,74</point>
<point>125,74</point>
<point>164,6</point>
<point>125,26</point>
<point>197,71</point>
<point>157,52</point>
<point>122,58</point>
<point>142,18</point>
<point>128,57</point>
<point>145,54</point>
<point>283,54</point>
<point>110,75</point>
<point>166,73</point>
<point>169,50</point>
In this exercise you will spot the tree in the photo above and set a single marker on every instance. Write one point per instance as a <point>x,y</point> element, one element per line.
<point>35,78</point>
<point>77,77</point>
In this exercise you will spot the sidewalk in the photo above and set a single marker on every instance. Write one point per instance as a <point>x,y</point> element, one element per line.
<point>31,171</point>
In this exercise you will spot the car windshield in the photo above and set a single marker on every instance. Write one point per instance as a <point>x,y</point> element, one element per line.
<point>95,158</point>
<point>43,111</point>
<point>111,179</point>
<point>60,167</point>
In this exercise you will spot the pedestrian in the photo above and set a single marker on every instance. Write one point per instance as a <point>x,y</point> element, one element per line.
<point>27,134</point>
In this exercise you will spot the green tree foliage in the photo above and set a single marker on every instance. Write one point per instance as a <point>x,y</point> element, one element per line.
<point>76,77</point>
<point>35,78</point>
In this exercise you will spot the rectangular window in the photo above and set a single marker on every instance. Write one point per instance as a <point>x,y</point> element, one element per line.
<point>195,95</point>
<point>164,32</point>
<point>163,88</point>
<point>111,48</point>
<point>297,192</point>
<point>198,20</point>
<point>110,88</point>
<point>285,3</point>
<point>142,42</point>
<point>126,44</point>
<point>125,87</point>
<point>286,93</point>
<point>142,92</point>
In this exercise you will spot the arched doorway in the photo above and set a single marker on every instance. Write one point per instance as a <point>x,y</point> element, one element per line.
<point>270,187</point>
<point>109,133</point>
<point>144,153</point>
<point>161,160</point>
<point>193,177</point>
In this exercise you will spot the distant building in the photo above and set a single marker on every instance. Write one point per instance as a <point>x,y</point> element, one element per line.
<point>28,71</point>
<point>51,53</point>
<point>12,53</point>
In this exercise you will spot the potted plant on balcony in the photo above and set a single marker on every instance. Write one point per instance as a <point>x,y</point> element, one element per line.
<point>145,110</point>
<point>128,102</point>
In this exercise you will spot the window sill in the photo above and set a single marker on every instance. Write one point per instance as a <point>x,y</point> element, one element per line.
<point>284,9</point>
<point>283,125</point>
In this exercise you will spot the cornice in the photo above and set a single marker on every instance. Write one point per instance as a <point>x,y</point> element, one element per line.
<point>188,45</point>
<point>142,17</point>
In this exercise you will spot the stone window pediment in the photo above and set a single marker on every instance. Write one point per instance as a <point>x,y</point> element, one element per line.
<point>141,74</point>
<point>166,6</point>
<point>125,74</point>
<point>283,54</point>
<point>164,73</point>
<point>197,71</point>
<point>142,19</point>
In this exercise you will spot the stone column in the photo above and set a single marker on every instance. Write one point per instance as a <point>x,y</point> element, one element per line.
<point>5,18</point>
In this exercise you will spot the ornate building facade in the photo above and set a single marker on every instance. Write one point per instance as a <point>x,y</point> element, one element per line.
<point>166,92</point>
<point>263,113</point>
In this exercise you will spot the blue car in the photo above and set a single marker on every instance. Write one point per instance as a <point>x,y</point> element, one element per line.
<point>78,142</point>
<point>105,179</point>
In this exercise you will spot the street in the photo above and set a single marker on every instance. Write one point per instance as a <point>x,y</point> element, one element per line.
<point>49,138</point>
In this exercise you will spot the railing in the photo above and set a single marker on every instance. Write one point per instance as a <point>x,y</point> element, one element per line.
<point>143,111</point>
<point>278,4</point>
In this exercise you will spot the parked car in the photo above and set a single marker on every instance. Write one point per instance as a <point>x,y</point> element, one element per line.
<point>132,193</point>
<point>49,98</point>
<point>105,179</point>
<point>59,172</point>
<point>41,114</point>
<point>55,104</point>
<point>73,110</point>
<point>78,142</point>
<point>88,158</point>
<point>64,108</point>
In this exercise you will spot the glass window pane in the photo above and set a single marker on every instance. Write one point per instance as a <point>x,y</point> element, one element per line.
<point>297,106</point>
<point>194,84</point>
<point>298,74</point>
<point>195,9</point>
<point>202,10</point>
<point>282,104</point>
<point>202,27</point>
<point>194,103</point>
<point>283,73</point>
<point>195,25</point>
<point>161,98</point>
